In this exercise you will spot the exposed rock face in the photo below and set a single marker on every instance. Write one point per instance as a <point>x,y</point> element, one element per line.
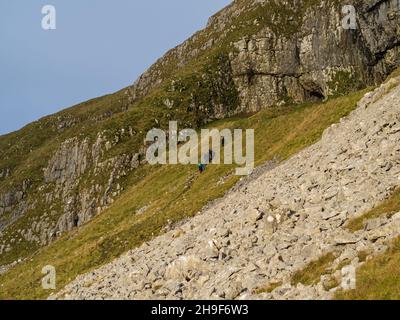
<point>271,68</point>
<point>67,197</point>
<point>13,204</point>
<point>69,162</point>
<point>269,228</point>
<point>317,59</point>
<point>65,172</point>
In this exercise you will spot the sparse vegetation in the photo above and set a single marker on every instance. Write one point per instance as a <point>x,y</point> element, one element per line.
<point>342,83</point>
<point>378,278</point>
<point>363,255</point>
<point>269,288</point>
<point>281,132</point>
<point>312,273</point>
<point>387,208</point>
<point>331,283</point>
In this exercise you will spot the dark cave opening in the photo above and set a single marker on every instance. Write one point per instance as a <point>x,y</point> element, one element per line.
<point>316,95</point>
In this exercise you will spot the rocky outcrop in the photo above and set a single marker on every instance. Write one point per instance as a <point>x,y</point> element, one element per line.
<point>192,48</point>
<point>69,162</point>
<point>13,204</point>
<point>269,228</point>
<point>80,200</point>
<point>276,68</point>
<point>299,52</point>
<point>79,182</point>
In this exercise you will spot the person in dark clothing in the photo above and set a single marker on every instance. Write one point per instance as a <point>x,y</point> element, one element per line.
<point>202,167</point>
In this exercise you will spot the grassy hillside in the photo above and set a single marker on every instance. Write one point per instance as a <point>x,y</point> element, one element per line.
<point>169,194</point>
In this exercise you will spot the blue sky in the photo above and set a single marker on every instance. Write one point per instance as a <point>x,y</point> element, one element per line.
<point>99,47</point>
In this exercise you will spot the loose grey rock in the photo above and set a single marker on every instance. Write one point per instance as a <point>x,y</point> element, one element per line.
<point>220,249</point>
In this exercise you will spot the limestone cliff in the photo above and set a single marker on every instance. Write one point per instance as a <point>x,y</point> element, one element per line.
<point>295,50</point>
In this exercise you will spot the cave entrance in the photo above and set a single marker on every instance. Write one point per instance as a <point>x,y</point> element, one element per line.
<point>316,95</point>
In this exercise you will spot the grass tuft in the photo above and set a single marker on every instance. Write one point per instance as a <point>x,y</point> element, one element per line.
<point>312,273</point>
<point>269,288</point>
<point>388,208</point>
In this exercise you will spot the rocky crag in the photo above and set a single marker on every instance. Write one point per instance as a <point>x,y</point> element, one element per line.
<point>59,172</point>
<point>295,51</point>
<point>265,230</point>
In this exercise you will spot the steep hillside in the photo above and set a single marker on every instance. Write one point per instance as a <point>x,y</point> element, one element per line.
<point>71,183</point>
<point>151,205</point>
<point>269,228</point>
